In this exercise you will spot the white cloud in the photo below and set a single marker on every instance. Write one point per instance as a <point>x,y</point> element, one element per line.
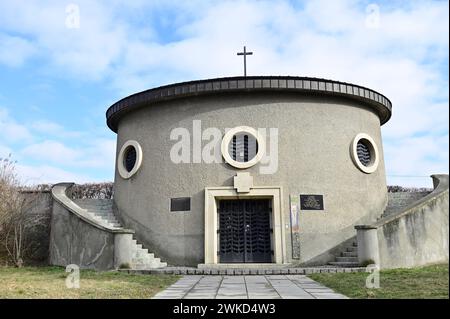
<point>411,160</point>
<point>41,174</point>
<point>15,50</point>
<point>86,51</point>
<point>43,160</point>
<point>51,151</point>
<point>10,130</point>
<point>5,151</point>
<point>92,153</point>
<point>51,128</point>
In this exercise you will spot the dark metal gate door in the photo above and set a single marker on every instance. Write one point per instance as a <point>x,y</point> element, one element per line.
<point>244,228</point>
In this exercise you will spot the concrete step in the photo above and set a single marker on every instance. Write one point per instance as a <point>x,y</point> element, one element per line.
<point>138,260</point>
<point>140,264</point>
<point>140,253</point>
<point>143,259</point>
<point>349,254</point>
<point>96,207</point>
<point>343,264</point>
<point>109,219</point>
<point>105,215</point>
<point>107,222</point>
<point>347,259</point>
<point>92,201</point>
<point>352,249</point>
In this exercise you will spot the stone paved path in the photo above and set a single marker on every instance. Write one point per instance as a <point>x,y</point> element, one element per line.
<point>248,287</point>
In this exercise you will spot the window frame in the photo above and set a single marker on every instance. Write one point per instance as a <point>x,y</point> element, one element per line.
<point>373,150</point>
<point>123,172</point>
<point>249,131</point>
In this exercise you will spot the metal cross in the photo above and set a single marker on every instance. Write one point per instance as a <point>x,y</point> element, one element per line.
<point>245,53</point>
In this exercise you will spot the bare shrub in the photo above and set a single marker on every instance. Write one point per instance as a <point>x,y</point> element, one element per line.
<point>93,191</point>
<point>17,219</point>
<point>403,189</point>
<point>103,190</point>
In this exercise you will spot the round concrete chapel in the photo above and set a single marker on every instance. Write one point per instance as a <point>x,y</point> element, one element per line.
<point>249,170</point>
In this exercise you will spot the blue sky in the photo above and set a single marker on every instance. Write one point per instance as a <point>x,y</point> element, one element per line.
<point>57,80</point>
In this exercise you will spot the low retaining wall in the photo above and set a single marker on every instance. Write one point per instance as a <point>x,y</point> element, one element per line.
<point>417,235</point>
<point>78,239</point>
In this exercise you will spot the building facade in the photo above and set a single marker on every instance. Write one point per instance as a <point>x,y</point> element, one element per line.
<point>249,169</point>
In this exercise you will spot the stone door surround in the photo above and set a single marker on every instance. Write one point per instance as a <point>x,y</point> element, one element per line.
<point>213,194</point>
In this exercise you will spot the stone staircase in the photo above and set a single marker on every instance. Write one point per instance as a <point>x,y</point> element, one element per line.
<point>102,211</point>
<point>348,257</point>
<point>399,200</point>
<point>396,202</point>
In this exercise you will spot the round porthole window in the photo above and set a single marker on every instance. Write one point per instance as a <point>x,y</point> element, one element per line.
<point>130,159</point>
<point>364,153</point>
<point>242,147</point>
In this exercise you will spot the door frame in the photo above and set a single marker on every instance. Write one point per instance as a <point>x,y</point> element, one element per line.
<point>213,194</point>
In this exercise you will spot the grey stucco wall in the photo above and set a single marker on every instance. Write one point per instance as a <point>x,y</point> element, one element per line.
<point>73,241</point>
<point>38,235</point>
<point>315,134</point>
<point>417,238</point>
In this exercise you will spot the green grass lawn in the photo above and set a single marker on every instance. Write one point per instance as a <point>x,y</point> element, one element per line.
<point>423,282</point>
<point>49,282</point>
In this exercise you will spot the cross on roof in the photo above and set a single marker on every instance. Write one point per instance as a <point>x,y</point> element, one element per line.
<point>245,53</point>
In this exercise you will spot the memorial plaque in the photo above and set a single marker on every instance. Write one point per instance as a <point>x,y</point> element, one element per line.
<point>181,204</point>
<point>311,202</point>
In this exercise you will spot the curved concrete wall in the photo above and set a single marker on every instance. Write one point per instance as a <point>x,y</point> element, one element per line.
<point>415,236</point>
<point>315,134</point>
<point>77,238</point>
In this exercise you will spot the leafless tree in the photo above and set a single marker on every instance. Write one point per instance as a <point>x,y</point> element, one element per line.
<point>17,217</point>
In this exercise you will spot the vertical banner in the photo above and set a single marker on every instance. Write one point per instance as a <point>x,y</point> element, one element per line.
<point>295,227</point>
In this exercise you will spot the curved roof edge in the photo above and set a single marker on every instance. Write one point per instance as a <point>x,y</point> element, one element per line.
<point>378,102</point>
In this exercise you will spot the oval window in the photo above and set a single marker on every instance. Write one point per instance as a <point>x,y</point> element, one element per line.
<point>130,159</point>
<point>364,152</point>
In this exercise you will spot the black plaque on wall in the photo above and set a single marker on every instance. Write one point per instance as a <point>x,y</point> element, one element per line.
<point>180,204</point>
<point>311,202</point>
